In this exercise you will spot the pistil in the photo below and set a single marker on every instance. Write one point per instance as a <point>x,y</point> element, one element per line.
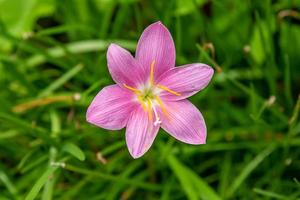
<point>146,97</point>
<point>157,119</point>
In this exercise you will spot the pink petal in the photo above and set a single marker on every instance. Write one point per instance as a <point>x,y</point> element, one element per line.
<point>140,133</point>
<point>111,108</point>
<point>123,68</point>
<point>156,44</point>
<point>184,122</point>
<point>185,80</point>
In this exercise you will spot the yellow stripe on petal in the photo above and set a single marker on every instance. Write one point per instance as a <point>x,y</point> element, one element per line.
<point>142,103</point>
<point>149,109</point>
<point>136,91</point>
<point>160,103</point>
<point>152,72</point>
<point>168,90</point>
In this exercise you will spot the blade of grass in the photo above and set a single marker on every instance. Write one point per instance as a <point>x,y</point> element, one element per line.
<point>222,146</point>
<point>25,159</point>
<point>272,195</point>
<point>270,69</point>
<point>119,186</point>
<point>59,29</point>
<point>25,106</point>
<point>8,134</point>
<point>248,169</point>
<point>194,186</point>
<point>40,183</point>
<point>9,185</point>
<point>283,118</point>
<point>55,130</point>
<point>76,48</point>
<point>296,111</point>
<point>112,148</point>
<point>106,18</point>
<point>74,150</point>
<point>49,184</point>
<point>36,162</point>
<point>60,81</point>
<point>22,124</point>
<point>137,183</point>
<point>69,194</point>
<point>287,81</point>
<point>205,56</point>
<point>225,170</point>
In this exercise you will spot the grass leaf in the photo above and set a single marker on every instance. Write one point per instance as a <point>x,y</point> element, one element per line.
<point>194,186</point>
<point>74,151</point>
<point>40,183</point>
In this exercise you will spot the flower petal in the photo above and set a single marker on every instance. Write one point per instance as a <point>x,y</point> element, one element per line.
<point>185,80</point>
<point>140,133</point>
<point>184,122</point>
<point>156,44</point>
<point>123,68</point>
<point>111,108</point>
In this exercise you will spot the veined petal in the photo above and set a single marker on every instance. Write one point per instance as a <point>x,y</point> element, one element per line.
<point>123,68</point>
<point>111,108</point>
<point>185,80</point>
<point>184,122</point>
<point>156,44</point>
<point>140,133</point>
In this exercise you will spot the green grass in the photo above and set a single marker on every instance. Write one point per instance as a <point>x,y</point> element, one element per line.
<point>53,62</point>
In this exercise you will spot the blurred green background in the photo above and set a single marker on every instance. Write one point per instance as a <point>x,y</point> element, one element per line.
<point>53,62</point>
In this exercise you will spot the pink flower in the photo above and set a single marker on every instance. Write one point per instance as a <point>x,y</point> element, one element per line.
<point>150,92</point>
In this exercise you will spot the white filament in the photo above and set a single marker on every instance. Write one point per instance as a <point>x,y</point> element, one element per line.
<point>157,119</point>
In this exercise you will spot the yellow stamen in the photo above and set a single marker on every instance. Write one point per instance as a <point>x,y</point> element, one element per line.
<point>140,99</point>
<point>168,90</point>
<point>160,103</point>
<point>152,72</point>
<point>132,89</point>
<point>149,109</point>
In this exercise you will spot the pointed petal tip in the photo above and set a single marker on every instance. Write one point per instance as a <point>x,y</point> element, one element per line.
<point>109,49</point>
<point>156,43</point>
<point>140,133</point>
<point>207,70</point>
<point>193,141</point>
<point>135,156</point>
<point>90,119</point>
<point>197,142</point>
<point>87,118</point>
<point>112,45</point>
<point>210,69</point>
<point>158,24</point>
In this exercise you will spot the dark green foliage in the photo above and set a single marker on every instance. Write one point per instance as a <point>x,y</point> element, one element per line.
<point>53,62</point>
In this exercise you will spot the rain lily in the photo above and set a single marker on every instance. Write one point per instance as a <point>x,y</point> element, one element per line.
<point>150,92</point>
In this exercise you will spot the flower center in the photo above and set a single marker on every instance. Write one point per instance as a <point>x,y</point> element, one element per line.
<point>147,94</point>
<point>148,97</point>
